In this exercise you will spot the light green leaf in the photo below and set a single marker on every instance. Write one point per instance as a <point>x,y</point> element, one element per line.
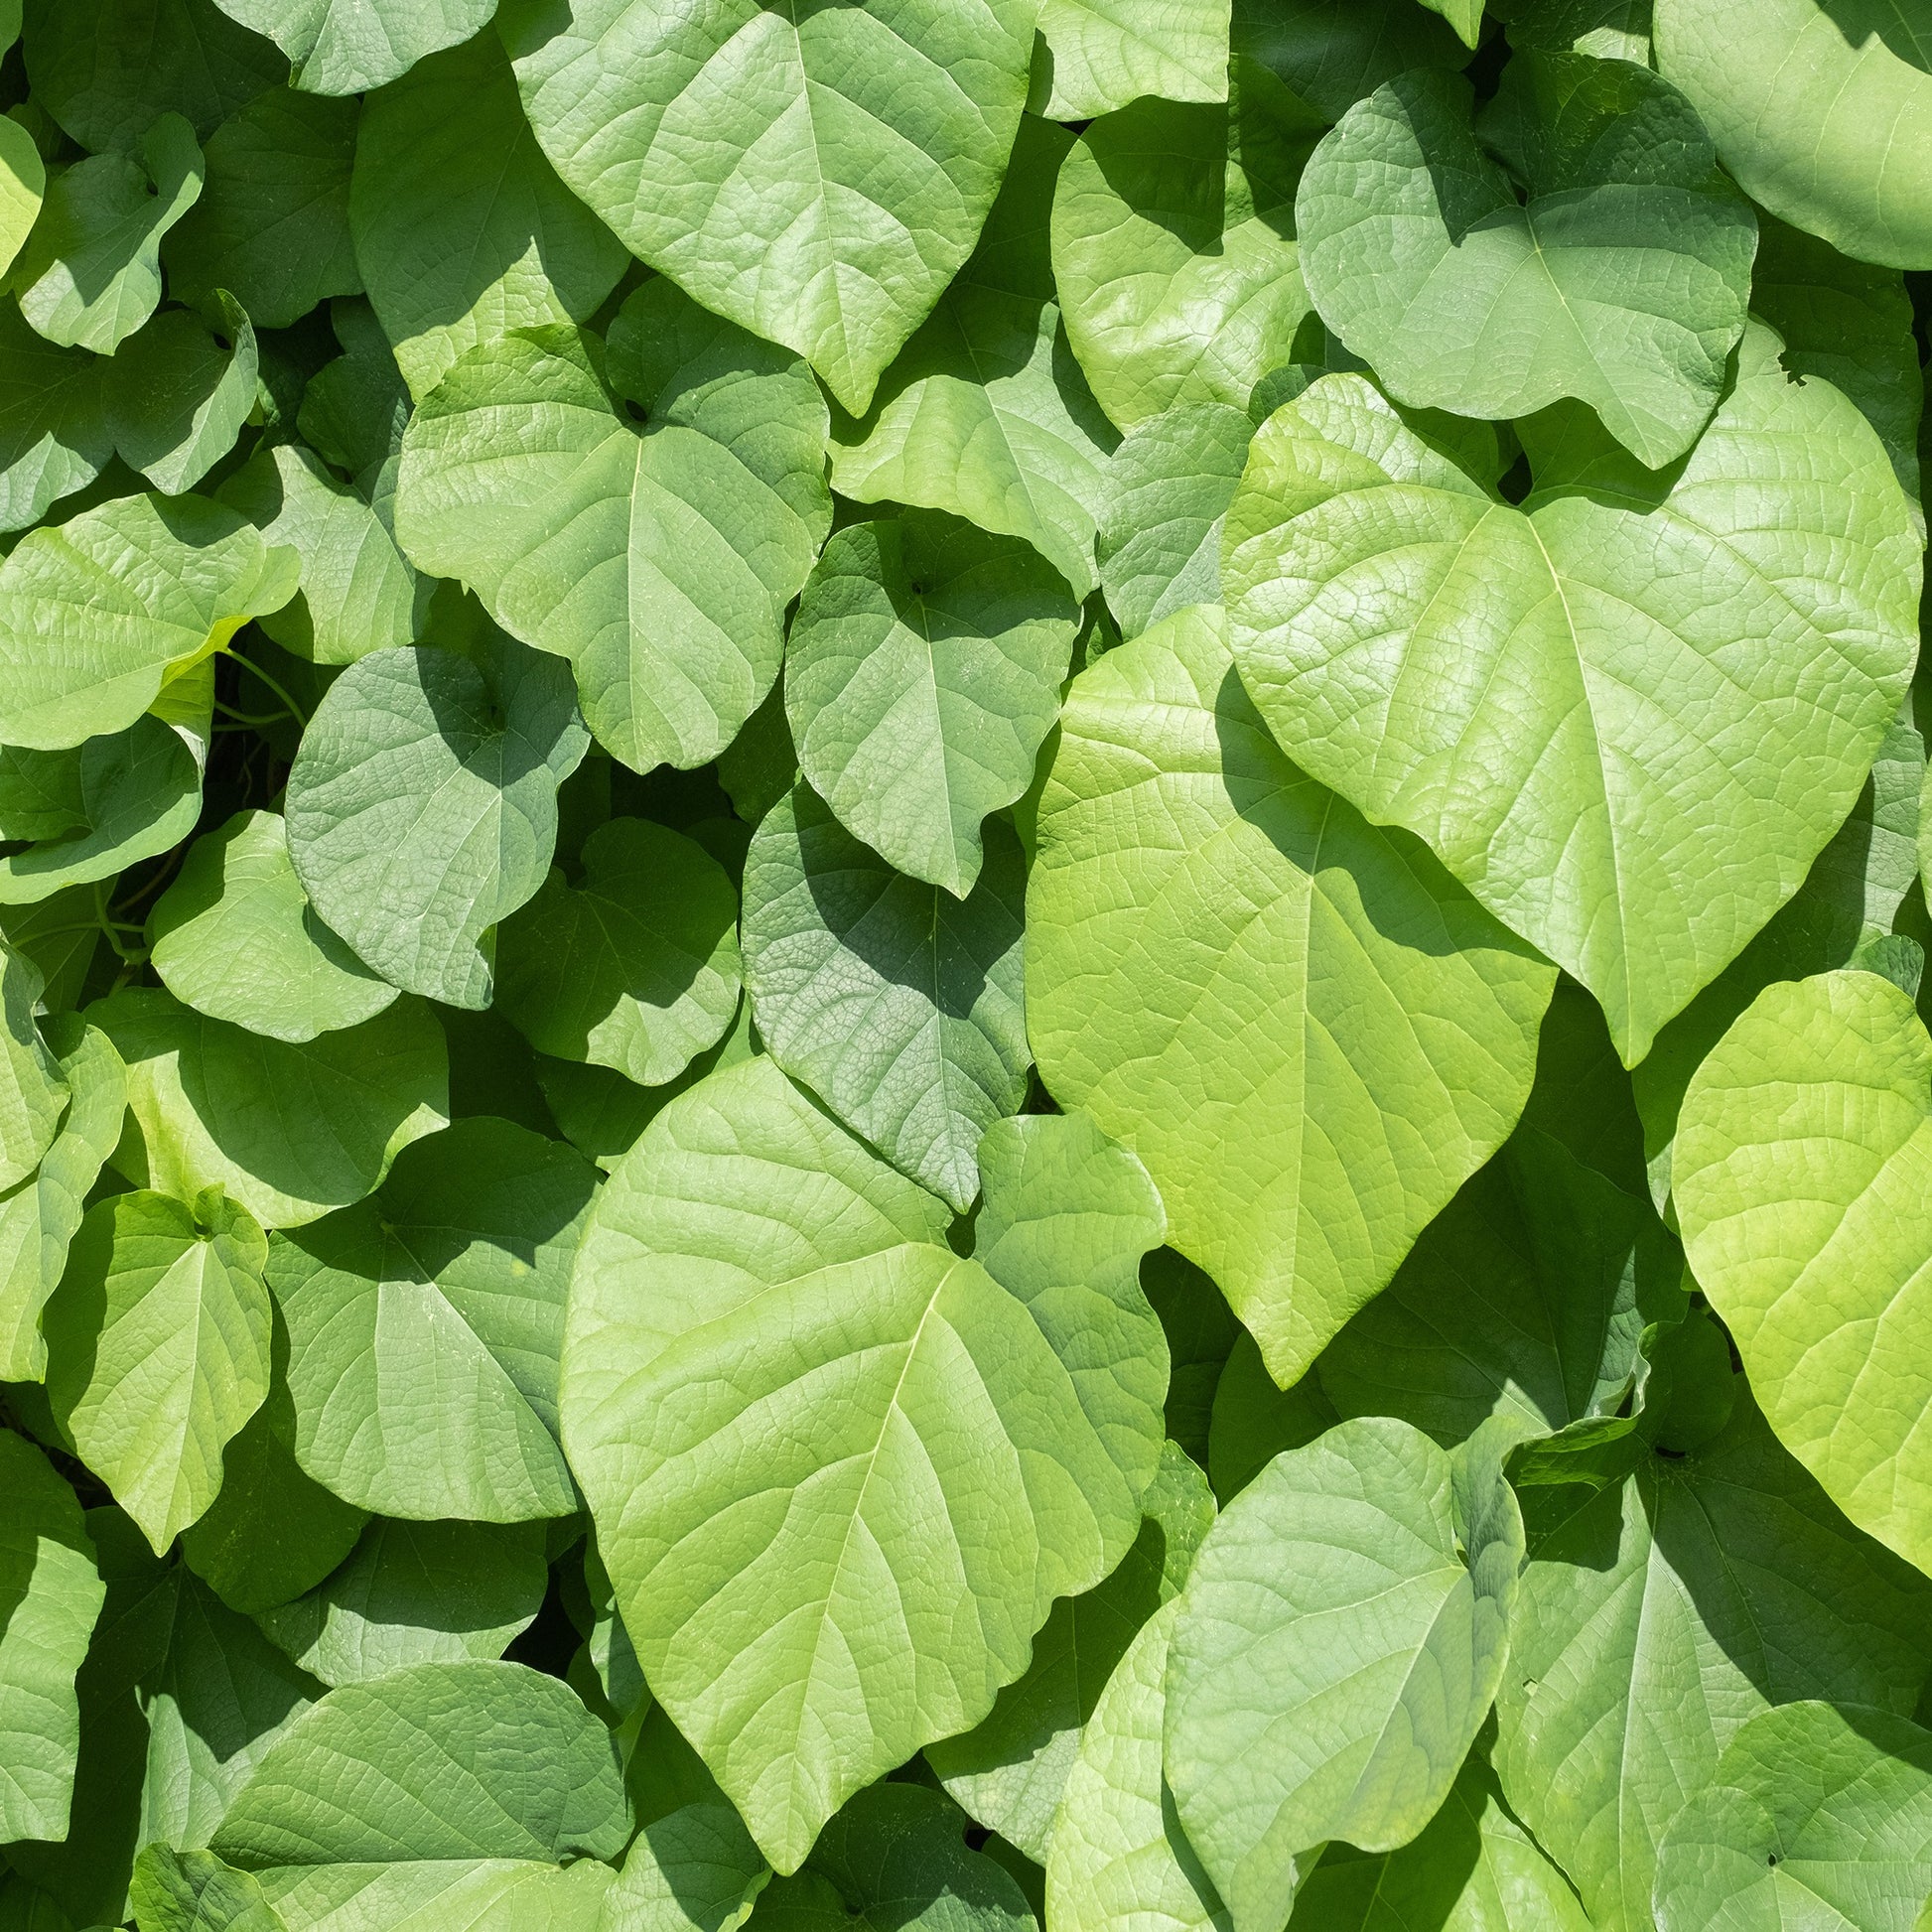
<point>471,1760</point>
<point>194,1892</point>
<point>272,223</point>
<point>463,231</point>
<point>1170,486</point>
<point>1173,246</point>
<point>1012,1769</point>
<point>118,798</point>
<point>985,412</point>
<point>423,1326</point>
<point>54,433</point>
<point>32,1089</point>
<point>90,273</point>
<point>415,1594</point>
<point>1553,698</point>
<point>1622,280</point>
<point>745,162</point>
<point>436,1895</point>
<point>345,47</point>
<point>694,1871</point>
<point>289,1131</point>
<point>658,555</point>
<point>1101,54</point>
<point>1338,1643</point>
<point>922,674</point>
<point>1659,1612</point>
<point>52,1594</point>
<point>1466,16</point>
<point>98,613</point>
<point>235,938</point>
<point>1473,1870</point>
<point>1240,979</point>
<point>157,1342</point>
<point>1817,1815</point>
<point>1821,108</point>
<point>901,1007</point>
<point>637,967</point>
<point>421,807</point>
<point>1804,1151</point>
<point>23,186</point>
<point>971,1436</point>
<point>179,393</point>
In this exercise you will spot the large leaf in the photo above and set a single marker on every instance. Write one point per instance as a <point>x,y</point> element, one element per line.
<point>1337,1646</point>
<point>1592,707</point>
<point>290,1131</point>
<point>463,231</point>
<point>1804,1152</point>
<point>33,1090</point>
<point>179,392</point>
<point>922,674</point>
<point>1102,55</point>
<point>818,177</point>
<point>637,967</point>
<point>655,550</point>
<point>965,1439</point>
<point>421,807</point>
<point>985,413</point>
<point>434,1894</point>
<point>423,1326</point>
<point>1816,1814</point>
<point>1822,109</point>
<point>98,613</point>
<point>52,1595</point>
<point>901,1007</point>
<point>1621,280</point>
<point>1307,1029</point>
<point>345,47</point>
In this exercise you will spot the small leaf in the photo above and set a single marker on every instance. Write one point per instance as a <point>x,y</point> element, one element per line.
<point>194,1892</point>
<point>347,46</point>
<point>694,1871</point>
<point>54,433</point>
<point>33,1090</point>
<point>22,188</point>
<point>177,395</point>
<point>1102,55</point>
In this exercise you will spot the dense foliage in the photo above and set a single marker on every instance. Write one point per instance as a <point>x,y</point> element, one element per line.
<point>960,966</point>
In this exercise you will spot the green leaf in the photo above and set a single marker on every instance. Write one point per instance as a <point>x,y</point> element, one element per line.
<point>1612,30</point>
<point>1553,698</point>
<point>695,1870</point>
<point>54,433</point>
<point>32,1089</point>
<point>1172,482</point>
<point>1661,1611</point>
<point>922,674</point>
<point>901,1007</point>
<point>178,394</point>
<point>636,969</point>
<point>423,1326</point>
<point>1466,16</point>
<point>431,1895</point>
<point>973,1436</point>
<point>157,1342</point>
<point>1622,280</point>
<point>657,556</point>
<point>1117,1855</point>
<point>471,1760</point>
<point>52,1594</point>
<point>98,613</point>
<point>1202,1330</point>
<point>985,412</point>
<point>1803,1151</point>
<point>416,1594</point>
<point>90,273</point>
<point>1338,1644</point>
<point>1821,108</point>
<point>421,807</point>
<point>272,223</point>
<point>1473,1870</point>
<point>1331,53</point>
<point>1173,246</point>
<point>1101,54</point>
<point>22,188</point>
<point>118,798</point>
<point>354,409</point>
<point>105,69</point>
<point>744,164</point>
<point>461,229</point>
<point>235,937</point>
<point>1307,1029</point>
<point>194,1892</point>
<point>345,47</point>
<point>1011,1769</point>
<point>1816,1814</point>
<point>290,1131</point>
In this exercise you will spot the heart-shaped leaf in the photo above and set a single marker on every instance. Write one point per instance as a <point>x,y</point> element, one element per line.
<point>1103,53</point>
<point>348,47</point>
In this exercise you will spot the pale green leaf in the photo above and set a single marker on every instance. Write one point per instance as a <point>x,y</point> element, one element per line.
<point>922,674</point>
<point>656,550</point>
<point>1311,1034</point>
<point>745,163</point>
<point>1103,53</point>
<point>32,1089</point>
<point>54,433</point>
<point>694,1871</point>
<point>23,186</point>
<point>1557,698</point>
<point>179,393</point>
<point>900,1006</point>
<point>194,1892</point>
<point>344,46</point>
<point>441,1895</point>
<point>290,1131</point>
<point>421,807</point>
